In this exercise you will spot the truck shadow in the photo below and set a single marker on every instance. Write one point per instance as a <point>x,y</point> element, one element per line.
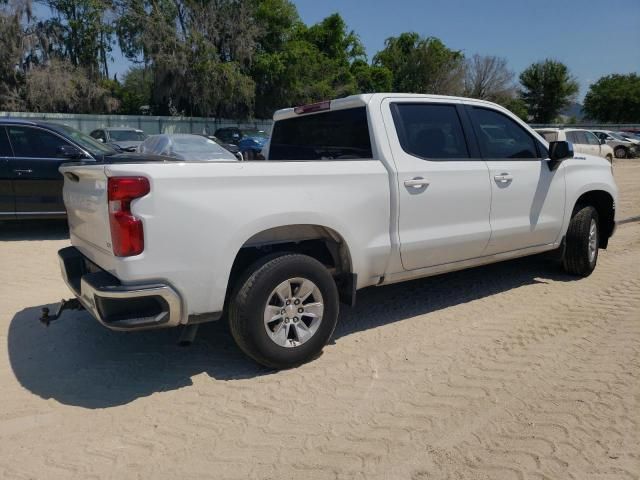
<point>34,230</point>
<point>78,362</point>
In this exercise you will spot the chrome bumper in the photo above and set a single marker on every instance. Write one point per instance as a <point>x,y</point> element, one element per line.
<point>117,306</point>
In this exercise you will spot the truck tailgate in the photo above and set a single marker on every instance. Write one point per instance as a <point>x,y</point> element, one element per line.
<point>85,196</point>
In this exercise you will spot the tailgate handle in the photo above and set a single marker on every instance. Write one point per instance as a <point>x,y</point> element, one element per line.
<point>72,176</point>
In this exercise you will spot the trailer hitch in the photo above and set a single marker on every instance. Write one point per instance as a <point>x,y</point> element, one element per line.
<point>71,304</point>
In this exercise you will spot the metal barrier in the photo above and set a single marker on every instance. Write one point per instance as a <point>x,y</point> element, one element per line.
<point>149,124</point>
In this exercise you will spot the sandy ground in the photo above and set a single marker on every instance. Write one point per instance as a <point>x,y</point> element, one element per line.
<point>511,371</point>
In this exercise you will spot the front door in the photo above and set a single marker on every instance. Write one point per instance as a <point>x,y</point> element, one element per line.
<point>528,197</point>
<point>7,200</point>
<point>37,183</point>
<point>444,191</point>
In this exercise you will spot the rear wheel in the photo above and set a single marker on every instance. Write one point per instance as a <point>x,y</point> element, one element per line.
<point>582,242</point>
<point>620,152</point>
<point>284,311</point>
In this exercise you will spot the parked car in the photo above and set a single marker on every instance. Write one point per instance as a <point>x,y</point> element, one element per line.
<point>583,141</point>
<point>252,143</point>
<point>184,146</point>
<point>361,191</point>
<point>622,148</point>
<point>229,146</point>
<point>121,139</point>
<point>631,137</point>
<point>30,154</point>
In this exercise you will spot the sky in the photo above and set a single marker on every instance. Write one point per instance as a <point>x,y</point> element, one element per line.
<point>592,38</point>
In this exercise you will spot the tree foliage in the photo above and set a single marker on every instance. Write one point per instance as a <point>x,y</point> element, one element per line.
<point>547,87</point>
<point>614,98</point>
<point>488,78</point>
<point>422,65</point>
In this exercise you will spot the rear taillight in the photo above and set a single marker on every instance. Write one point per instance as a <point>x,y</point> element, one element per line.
<point>127,234</point>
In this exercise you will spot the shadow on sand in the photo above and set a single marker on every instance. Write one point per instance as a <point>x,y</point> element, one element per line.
<point>76,361</point>
<point>33,230</point>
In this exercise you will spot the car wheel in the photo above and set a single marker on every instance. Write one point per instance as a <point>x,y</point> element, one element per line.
<point>620,152</point>
<point>582,242</point>
<point>284,310</point>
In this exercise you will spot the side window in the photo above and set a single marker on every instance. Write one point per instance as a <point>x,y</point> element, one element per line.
<point>98,135</point>
<point>572,137</point>
<point>591,138</point>
<point>5,146</point>
<point>430,130</point>
<point>501,137</point>
<point>34,143</point>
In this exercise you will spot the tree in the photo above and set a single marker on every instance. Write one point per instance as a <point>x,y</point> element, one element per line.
<point>11,76</point>
<point>296,64</point>
<point>81,33</point>
<point>135,91</point>
<point>422,65</point>
<point>61,87</point>
<point>515,105</point>
<point>614,98</point>
<point>548,87</point>
<point>488,78</point>
<point>199,53</point>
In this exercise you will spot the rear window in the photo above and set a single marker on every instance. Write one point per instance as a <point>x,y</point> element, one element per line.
<point>333,135</point>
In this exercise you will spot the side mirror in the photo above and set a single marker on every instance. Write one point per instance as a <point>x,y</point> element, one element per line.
<point>561,150</point>
<point>70,152</point>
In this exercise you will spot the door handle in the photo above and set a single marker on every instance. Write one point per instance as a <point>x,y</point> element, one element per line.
<point>503,178</point>
<point>21,171</point>
<point>417,183</point>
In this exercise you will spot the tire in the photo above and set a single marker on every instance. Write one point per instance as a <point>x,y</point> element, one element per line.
<point>274,343</point>
<point>620,152</point>
<point>582,242</point>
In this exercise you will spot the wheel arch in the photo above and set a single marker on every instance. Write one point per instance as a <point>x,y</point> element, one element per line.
<point>317,241</point>
<point>604,204</point>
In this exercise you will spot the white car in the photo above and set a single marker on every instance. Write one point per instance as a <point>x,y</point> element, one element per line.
<point>583,141</point>
<point>362,191</point>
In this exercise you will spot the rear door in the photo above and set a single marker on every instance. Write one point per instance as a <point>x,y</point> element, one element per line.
<point>443,184</point>
<point>7,200</point>
<point>527,201</point>
<point>37,184</point>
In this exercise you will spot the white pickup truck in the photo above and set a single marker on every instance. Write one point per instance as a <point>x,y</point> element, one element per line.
<point>360,191</point>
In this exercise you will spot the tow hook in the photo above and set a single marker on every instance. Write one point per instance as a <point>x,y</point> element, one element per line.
<point>71,304</point>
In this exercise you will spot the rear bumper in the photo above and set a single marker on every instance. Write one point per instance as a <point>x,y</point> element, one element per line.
<point>117,306</point>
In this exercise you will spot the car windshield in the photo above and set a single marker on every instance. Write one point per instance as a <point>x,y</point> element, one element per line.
<point>126,135</point>
<point>617,136</point>
<point>254,134</point>
<point>88,143</point>
<point>187,147</point>
<point>549,136</point>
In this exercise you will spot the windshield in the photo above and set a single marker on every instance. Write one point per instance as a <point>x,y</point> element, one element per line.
<point>617,136</point>
<point>85,141</point>
<point>254,134</point>
<point>126,136</point>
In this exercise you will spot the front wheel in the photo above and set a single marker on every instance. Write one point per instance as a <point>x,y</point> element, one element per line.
<point>284,311</point>
<point>620,152</point>
<point>582,242</point>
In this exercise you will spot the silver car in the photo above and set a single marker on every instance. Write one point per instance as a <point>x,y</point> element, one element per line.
<point>622,147</point>
<point>184,146</point>
<point>122,139</point>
